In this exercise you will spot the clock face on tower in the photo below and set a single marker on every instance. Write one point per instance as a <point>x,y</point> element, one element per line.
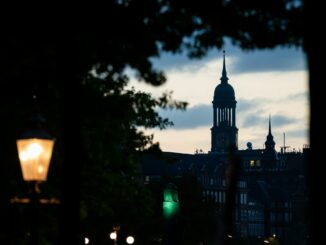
<point>222,140</point>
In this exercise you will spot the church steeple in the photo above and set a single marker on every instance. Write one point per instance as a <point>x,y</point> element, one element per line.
<point>269,157</point>
<point>224,131</point>
<point>224,78</point>
<point>270,143</point>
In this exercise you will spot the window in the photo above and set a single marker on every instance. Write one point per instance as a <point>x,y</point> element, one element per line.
<point>279,217</point>
<point>273,230</point>
<point>241,184</point>
<point>272,217</point>
<point>211,181</point>
<point>286,217</point>
<point>252,163</point>
<point>243,198</point>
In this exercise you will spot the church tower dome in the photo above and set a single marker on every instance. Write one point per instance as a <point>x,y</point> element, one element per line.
<point>224,92</point>
<point>224,131</point>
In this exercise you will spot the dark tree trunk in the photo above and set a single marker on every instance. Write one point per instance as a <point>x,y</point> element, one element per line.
<point>69,85</point>
<point>315,49</point>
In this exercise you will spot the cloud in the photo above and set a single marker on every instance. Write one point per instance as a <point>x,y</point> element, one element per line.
<point>257,119</point>
<point>252,120</point>
<point>298,96</point>
<point>181,62</point>
<point>196,116</point>
<point>282,120</point>
<point>278,59</point>
<point>269,60</point>
<point>244,105</point>
<point>202,115</point>
<point>297,133</point>
<point>250,114</point>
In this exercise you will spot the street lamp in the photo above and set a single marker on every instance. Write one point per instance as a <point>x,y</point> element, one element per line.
<point>130,240</point>
<point>114,236</point>
<point>35,150</point>
<point>86,240</point>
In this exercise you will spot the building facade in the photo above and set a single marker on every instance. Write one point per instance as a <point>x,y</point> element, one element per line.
<point>269,200</point>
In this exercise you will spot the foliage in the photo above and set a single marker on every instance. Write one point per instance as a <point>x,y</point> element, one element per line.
<point>113,143</point>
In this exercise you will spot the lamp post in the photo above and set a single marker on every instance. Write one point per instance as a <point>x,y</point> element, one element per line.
<point>35,150</point>
<point>114,237</point>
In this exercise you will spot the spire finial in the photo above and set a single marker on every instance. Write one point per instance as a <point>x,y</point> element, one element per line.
<point>269,125</point>
<point>224,78</point>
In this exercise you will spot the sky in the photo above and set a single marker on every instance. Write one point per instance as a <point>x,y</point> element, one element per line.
<point>269,82</point>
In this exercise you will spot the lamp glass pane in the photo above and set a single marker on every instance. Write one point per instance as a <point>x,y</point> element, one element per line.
<point>35,156</point>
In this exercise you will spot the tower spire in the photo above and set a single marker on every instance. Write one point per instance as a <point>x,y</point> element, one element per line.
<point>269,126</point>
<point>224,78</point>
<point>270,143</point>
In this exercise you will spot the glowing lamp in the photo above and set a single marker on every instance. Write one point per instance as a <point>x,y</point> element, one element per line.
<point>130,240</point>
<point>35,151</point>
<point>113,235</point>
<point>86,240</point>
